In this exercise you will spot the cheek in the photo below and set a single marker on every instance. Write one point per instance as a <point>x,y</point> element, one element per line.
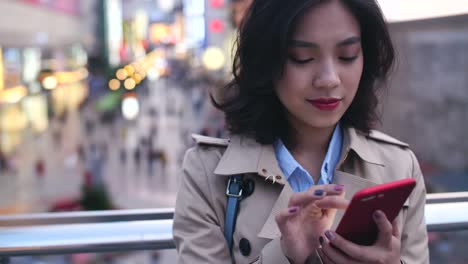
<point>293,80</point>
<point>352,78</point>
<point>282,90</point>
<point>298,77</point>
<point>286,94</point>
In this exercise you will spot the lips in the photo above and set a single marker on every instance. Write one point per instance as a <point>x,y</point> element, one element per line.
<point>325,104</point>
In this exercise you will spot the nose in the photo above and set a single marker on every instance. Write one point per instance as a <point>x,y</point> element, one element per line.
<point>327,76</point>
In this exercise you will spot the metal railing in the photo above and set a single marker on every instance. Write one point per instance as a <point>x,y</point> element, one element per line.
<point>150,229</point>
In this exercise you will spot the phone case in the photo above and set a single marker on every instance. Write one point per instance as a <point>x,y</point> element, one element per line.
<point>357,224</point>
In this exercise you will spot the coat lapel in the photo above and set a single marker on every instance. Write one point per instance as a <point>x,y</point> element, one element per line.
<point>244,155</point>
<point>270,229</point>
<point>268,167</point>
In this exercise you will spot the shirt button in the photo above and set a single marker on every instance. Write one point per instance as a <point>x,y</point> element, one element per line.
<point>244,246</point>
<point>278,177</point>
<point>264,171</point>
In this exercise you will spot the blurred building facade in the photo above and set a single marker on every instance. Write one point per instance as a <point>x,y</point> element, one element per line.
<point>48,23</point>
<point>427,101</point>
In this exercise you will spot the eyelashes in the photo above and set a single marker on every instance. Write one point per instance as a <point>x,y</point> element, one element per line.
<point>349,59</point>
<point>300,61</point>
<point>305,61</point>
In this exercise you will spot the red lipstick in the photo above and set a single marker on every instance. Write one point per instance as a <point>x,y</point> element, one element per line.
<point>325,104</point>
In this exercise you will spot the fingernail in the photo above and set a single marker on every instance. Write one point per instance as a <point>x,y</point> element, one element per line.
<point>329,234</point>
<point>377,215</point>
<point>293,210</point>
<point>321,240</point>
<point>339,187</point>
<point>318,192</point>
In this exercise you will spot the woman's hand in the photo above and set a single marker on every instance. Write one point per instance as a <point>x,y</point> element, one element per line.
<point>386,249</point>
<point>309,214</point>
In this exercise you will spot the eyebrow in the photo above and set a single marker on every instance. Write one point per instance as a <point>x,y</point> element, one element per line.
<point>306,44</point>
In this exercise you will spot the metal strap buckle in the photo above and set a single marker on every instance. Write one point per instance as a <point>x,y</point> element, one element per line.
<point>228,192</point>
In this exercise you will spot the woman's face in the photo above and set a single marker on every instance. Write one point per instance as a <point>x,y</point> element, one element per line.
<point>323,68</point>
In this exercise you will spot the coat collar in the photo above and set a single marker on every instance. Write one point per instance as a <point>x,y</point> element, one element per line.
<point>359,142</point>
<point>245,155</point>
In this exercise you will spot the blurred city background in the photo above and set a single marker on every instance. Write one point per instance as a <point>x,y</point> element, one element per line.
<point>98,99</point>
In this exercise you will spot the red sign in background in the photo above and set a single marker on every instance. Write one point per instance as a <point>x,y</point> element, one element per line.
<point>71,7</point>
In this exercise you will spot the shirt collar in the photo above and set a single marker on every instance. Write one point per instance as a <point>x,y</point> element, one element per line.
<point>333,153</point>
<point>288,164</point>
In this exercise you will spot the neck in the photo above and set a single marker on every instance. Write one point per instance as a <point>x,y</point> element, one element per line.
<point>310,141</point>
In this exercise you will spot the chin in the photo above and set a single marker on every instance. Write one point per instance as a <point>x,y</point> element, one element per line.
<point>315,120</point>
<point>322,124</point>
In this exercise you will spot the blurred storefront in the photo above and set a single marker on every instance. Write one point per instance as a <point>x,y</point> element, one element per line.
<point>42,66</point>
<point>12,124</point>
<point>12,91</point>
<point>32,87</point>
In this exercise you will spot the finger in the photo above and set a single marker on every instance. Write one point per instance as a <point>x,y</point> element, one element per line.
<point>304,198</point>
<point>324,258</point>
<point>354,251</point>
<point>330,189</point>
<point>396,231</point>
<point>333,202</point>
<point>385,228</point>
<point>334,255</point>
<point>283,217</point>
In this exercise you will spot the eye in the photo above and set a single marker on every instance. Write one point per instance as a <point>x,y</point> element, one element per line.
<point>300,61</point>
<point>348,59</point>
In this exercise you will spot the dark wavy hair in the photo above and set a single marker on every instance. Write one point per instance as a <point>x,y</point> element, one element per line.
<point>249,101</point>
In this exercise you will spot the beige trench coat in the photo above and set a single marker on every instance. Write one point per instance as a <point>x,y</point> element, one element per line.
<point>200,210</point>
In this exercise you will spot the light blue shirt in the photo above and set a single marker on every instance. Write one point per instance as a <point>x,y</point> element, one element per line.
<point>299,179</point>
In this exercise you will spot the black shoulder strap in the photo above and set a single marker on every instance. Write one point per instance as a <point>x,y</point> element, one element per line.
<point>234,196</point>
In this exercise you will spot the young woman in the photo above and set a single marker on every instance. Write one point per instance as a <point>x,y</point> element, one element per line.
<point>300,110</point>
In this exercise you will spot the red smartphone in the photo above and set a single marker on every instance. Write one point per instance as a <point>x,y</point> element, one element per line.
<point>357,224</point>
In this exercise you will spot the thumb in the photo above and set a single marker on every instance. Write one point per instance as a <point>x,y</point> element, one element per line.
<point>385,228</point>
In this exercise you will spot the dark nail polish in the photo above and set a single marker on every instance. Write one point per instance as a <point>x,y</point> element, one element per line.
<point>318,192</point>
<point>293,210</point>
<point>321,240</point>
<point>339,187</point>
<point>377,215</point>
<point>330,235</point>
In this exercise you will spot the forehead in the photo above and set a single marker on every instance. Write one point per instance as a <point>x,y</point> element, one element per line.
<point>328,21</point>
